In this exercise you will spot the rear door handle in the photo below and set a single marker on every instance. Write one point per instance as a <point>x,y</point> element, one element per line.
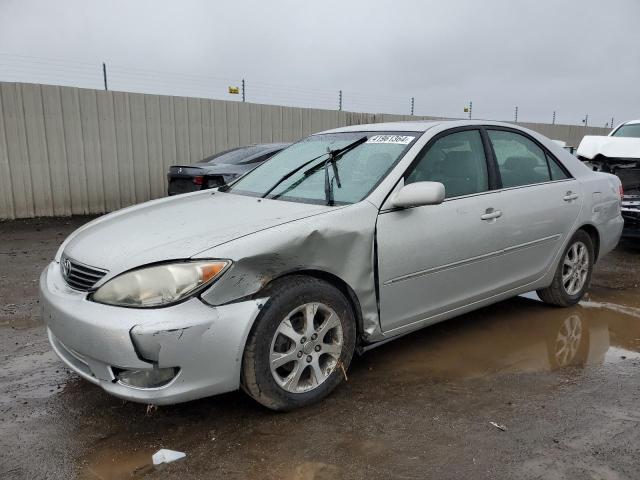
<point>491,214</point>
<point>570,196</point>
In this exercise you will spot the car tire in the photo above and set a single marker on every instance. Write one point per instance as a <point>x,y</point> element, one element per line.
<point>308,324</point>
<point>572,267</point>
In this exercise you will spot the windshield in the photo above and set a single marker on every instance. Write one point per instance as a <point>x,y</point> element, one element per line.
<point>359,169</point>
<point>235,156</point>
<point>629,130</point>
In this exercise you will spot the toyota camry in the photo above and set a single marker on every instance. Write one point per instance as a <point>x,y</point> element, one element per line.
<point>345,240</point>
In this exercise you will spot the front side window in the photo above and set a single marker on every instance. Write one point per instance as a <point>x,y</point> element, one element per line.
<point>520,160</point>
<point>457,161</point>
<point>298,173</point>
<point>629,130</point>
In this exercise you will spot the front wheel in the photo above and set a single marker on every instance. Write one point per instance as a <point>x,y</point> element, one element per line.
<point>573,273</point>
<point>301,345</point>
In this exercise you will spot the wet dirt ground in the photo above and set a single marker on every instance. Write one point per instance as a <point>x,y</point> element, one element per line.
<point>564,383</point>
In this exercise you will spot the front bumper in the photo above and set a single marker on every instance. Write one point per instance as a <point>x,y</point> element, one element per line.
<point>206,343</point>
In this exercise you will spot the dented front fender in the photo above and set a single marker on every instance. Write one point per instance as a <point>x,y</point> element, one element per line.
<point>340,242</point>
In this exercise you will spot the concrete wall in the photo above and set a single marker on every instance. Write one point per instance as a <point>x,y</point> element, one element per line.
<point>66,150</point>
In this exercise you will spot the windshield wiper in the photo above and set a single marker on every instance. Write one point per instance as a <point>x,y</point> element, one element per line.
<point>289,174</point>
<point>333,155</point>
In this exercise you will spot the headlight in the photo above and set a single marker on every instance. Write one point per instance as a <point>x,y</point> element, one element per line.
<point>159,285</point>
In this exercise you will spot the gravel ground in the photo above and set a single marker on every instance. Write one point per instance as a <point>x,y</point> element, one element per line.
<point>419,407</point>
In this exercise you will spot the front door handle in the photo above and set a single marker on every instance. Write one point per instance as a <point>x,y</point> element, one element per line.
<point>491,214</point>
<point>570,196</point>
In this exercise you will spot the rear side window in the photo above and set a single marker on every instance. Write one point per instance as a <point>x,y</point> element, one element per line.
<point>234,156</point>
<point>457,161</point>
<point>520,160</point>
<point>557,173</point>
<point>262,158</point>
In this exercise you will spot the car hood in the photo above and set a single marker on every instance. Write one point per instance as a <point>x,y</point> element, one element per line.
<point>176,228</point>
<point>612,147</point>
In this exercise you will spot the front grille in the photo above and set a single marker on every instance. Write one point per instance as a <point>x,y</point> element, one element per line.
<point>630,210</point>
<point>79,276</point>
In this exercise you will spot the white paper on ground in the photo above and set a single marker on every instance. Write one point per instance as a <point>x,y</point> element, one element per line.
<point>166,456</point>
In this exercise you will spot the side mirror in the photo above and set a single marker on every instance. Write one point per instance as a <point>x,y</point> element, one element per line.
<point>418,194</point>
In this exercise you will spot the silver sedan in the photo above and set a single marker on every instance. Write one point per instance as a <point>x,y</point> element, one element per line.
<point>343,241</point>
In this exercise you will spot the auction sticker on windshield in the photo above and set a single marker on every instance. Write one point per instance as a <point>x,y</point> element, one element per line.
<point>398,139</point>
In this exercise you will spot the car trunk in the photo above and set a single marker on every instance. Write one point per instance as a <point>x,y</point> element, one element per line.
<point>182,179</point>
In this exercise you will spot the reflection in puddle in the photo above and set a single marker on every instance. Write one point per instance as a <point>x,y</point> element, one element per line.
<point>624,309</point>
<point>519,335</point>
<point>615,354</point>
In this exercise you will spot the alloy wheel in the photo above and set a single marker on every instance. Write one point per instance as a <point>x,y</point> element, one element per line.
<point>306,347</point>
<point>575,268</point>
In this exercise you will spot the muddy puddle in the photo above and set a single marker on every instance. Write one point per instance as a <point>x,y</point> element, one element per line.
<point>110,463</point>
<point>518,335</point>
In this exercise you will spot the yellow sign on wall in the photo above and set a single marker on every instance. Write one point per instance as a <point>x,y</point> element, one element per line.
<point>234,90</point>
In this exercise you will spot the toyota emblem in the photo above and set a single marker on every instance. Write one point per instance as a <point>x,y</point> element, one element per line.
<point>66,267</point>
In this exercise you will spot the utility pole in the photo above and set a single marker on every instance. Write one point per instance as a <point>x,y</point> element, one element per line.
<point>104,75</point>
<point>339,100</point>
<point>412,104</point>
<point>243,97</point>
<point>516,115</point>
<point>470,108</point>
<point>586,120</point>
<point>553,122</point>
<point>611,122</point>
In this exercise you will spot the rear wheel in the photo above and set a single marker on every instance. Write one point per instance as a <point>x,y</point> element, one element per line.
<point>573,273</point>
<point>301,345</point>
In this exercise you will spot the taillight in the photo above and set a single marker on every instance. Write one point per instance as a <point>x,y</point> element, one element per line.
<point>621,192</point>
<point>199,180</point>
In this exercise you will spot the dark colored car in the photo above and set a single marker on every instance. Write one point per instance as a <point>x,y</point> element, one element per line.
<point>221,168</point>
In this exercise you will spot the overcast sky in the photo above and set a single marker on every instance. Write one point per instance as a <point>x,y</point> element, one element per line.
<point>574,56</point>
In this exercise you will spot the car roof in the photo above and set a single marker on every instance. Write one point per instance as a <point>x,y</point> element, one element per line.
<point>632,122</point>
<point>414,126</point>
<point>410,126</point>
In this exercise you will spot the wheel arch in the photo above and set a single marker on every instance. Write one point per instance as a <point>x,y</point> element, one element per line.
<point>593,233</point>
<point>333,280</point>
